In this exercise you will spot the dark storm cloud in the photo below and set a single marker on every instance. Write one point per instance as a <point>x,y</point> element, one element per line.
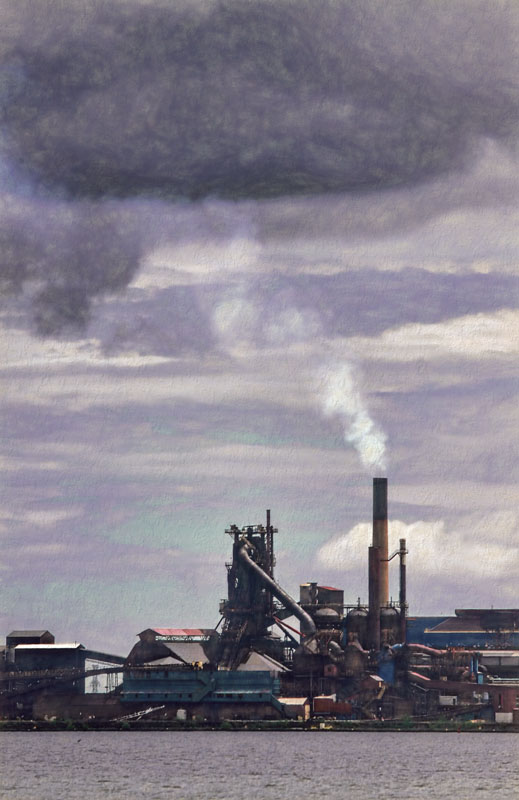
<point>240,99</point>
<point>253,99</point>
<point>66,255</point>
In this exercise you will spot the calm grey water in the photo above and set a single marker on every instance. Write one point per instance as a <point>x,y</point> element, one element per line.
<point>207,765</point>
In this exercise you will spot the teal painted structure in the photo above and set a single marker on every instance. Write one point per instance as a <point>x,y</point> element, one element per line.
<point>199,686</point>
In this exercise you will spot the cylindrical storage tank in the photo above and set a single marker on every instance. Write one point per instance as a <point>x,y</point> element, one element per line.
<point>326,618</point>
<point>389,625</point>
<point>357,625</point>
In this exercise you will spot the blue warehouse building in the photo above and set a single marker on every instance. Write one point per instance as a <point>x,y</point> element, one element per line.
<point>471,628</point>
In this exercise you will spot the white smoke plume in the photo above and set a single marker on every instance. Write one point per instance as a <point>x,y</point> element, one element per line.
<point>341,397</point>
<point>239,322</point>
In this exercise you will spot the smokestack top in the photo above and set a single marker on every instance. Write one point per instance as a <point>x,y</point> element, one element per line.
<point>379,499</point>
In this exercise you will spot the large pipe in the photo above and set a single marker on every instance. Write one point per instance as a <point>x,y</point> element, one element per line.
<point>380,536</point>
<point>307,623</point>
<point>433,651</point>
<point>423,648</point>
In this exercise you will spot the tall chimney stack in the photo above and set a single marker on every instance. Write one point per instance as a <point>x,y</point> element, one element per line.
<point>374,598</point>
<point>380,536</point>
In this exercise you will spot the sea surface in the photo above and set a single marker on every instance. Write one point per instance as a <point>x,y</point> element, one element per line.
<point>258,765</point>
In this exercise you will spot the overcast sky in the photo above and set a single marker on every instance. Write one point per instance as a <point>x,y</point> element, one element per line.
<point>253,254</point>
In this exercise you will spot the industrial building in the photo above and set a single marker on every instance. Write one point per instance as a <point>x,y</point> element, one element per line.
<point>271,656</point>
<point>36,670</point>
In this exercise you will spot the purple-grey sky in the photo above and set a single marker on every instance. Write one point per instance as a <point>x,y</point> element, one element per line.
<point>252,254</point>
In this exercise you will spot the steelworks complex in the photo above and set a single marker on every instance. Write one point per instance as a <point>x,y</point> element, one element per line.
<point>271,657</point>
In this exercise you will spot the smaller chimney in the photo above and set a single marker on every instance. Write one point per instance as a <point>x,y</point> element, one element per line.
<point>403,591</point>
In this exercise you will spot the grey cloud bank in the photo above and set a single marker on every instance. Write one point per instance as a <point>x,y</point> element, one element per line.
<point>242,99</point>
<point>246,101</point>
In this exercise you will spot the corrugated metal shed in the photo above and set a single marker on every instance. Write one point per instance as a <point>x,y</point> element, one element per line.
<point>296,706</point>
<point>328,705</point>
<point>29,637</point>
<point>175,634</point>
